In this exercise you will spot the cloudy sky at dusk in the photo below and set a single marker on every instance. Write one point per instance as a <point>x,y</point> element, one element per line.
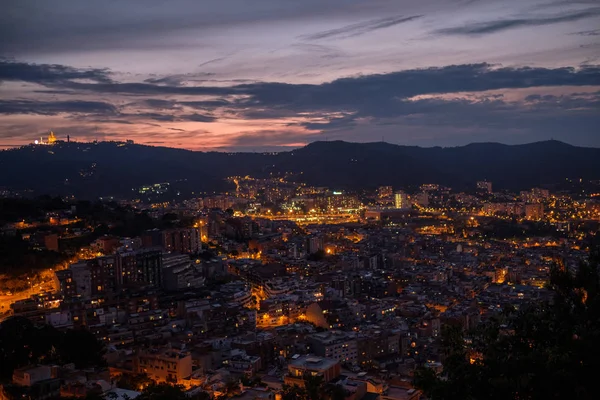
<point>270,74</point>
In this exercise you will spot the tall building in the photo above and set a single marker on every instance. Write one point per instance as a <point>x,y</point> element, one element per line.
<point>340,201</point>
<point>100,275</point>
<point>103,272</point>
<point>401,200</point>
<point>314,243</point>
<point>509,208</point>
<point>484,186</point>
<point>534,211</point>
<point>337,345</point>
<point>64,281</point>
<point>385,192</point>
<point>179,273</point>
<point>141,267</point>
<point>422,199</point>
<point>535,195</point>
<point>82,277</point>
<point>182,240</point>
<point>152,238</point>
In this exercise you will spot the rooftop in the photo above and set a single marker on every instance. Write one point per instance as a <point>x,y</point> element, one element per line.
<point>313,362</point>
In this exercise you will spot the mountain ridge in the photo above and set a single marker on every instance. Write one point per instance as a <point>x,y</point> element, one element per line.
<point>115,168</point>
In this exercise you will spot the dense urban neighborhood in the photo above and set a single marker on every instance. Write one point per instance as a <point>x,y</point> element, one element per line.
<point>274,289</point>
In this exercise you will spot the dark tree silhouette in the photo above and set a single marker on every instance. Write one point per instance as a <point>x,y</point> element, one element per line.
<point>549,350</point>
<point>134,381</point>
<point>79,346</point>
<point>166,391</point>
<point>22,343</point>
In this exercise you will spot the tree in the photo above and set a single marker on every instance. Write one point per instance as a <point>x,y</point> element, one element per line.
<point>232,386</point>
<point>335,392</point>
<point>80,346</point>
<point>314,386</point>
<point>163,391</point>
<point>16,335</point>
<point>548,350</point>
<point>317,255</point>
<point>22,343</point>
<point>293,392</point>
<point>134,381</point>
<point>312,390</point>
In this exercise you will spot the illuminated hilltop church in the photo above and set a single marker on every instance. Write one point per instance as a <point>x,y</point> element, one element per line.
<point>51,139</point>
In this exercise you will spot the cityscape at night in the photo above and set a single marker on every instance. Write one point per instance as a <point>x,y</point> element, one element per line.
<point>299,200</point>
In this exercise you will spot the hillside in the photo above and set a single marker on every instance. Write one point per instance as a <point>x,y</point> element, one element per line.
<point>90,170</point>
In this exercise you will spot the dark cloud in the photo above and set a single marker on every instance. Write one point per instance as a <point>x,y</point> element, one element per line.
<point>360,28</point>
<point>354,104</point>
<point>573,102</point>
<point>214,60</point>
<point>168,117</point>
<point>146,89</point>
<point>207,104</point>
<point>112,121</point>
<point>482,28</point>
<point>159,104</point>
<point>372,92</point>
<point>64,79</point>
<point>273,137</point>
<point>177,80</point>
<point>65,25</point>
<point>152,116</point>
<point>47,74</point>
<point>595,32</point>
<point>55,107</point>
<point>197,118</point>
<point>351,91</point>
<point>332,124</point>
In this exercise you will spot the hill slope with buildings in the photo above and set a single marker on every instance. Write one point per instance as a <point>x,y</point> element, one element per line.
<point>90,170</point>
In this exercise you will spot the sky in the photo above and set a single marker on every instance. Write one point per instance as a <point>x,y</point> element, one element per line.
<point>268,75</point>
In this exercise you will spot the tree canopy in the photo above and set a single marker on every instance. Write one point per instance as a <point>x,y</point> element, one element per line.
<point>314,389</point>
<point>22,343</point>
<point>549,350</point>
<point>166,391</point>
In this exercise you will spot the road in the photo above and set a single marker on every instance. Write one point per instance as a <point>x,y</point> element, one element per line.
<point>47,285</point>
<point>313,218</point>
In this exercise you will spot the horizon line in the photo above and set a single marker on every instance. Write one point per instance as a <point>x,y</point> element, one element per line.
<point>283,149</point>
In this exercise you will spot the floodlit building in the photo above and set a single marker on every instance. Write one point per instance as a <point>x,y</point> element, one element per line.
<point>534,211</point>
<point>164,366</point>
<point>384,192</point>
<point>304,366</point>
<point>401,200</point>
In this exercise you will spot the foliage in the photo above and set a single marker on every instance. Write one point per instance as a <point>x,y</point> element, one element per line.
<point>80,346</point>
<point>314,389</point>
<point>293,392</point>
<point>549,350</point>
<point>22,343</point>
<point>18,257</point>
<point>14,210</point>
<point>166,391</point>
<point>316,256</point>
<point>163,391</point>
<point>134,381</point>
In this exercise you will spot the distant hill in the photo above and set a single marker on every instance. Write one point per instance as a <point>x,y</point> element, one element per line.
<point>89,170</point>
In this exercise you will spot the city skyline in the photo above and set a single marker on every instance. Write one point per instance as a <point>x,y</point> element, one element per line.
<point>277,75</point>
